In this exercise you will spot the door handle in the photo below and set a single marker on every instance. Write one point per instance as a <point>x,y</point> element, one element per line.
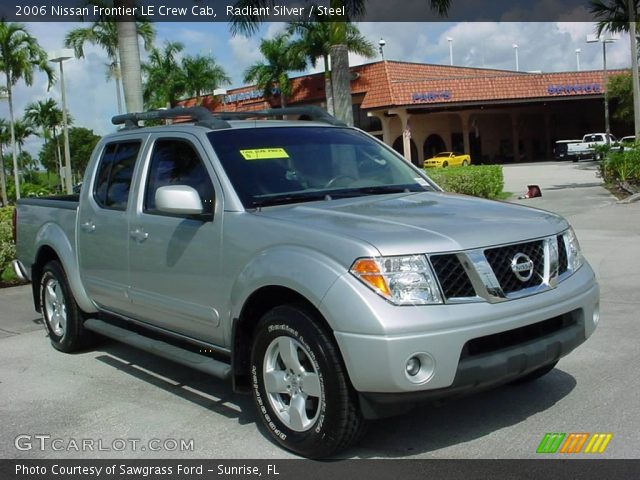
<point>88,226</point>
<point>139,235</point>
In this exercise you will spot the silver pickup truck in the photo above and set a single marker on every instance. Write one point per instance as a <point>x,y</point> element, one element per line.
<point>306,262</point>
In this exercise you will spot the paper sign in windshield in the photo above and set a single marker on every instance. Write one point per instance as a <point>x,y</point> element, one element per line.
<point>264,153</point>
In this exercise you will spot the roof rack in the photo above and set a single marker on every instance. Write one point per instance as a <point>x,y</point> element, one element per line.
<point>216,121</point>
<point>201,115</point>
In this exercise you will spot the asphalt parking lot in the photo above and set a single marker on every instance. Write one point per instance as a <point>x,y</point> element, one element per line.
<point>117,392</point>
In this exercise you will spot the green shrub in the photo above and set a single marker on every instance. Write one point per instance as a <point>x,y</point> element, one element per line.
<point>484,181</point>
<point>7,247</point>
<point>621,166</point>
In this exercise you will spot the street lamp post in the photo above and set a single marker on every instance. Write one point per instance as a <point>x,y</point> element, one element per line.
<point>450,40</point>
<point>605,78</point>
<point>578,59</point>
<point>381,44</point>
<point>515,48</point>
<point>59,57</point>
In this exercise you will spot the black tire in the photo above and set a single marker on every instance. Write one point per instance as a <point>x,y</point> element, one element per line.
<point>531,376</point>
<point>445,164</point>
<point>71,336</point>
<point>465,163</point>
<point>336,421</point>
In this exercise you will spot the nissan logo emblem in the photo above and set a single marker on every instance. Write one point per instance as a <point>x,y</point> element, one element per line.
<point>522,267</point>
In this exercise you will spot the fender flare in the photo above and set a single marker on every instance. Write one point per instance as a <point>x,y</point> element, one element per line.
<point>52,236</point>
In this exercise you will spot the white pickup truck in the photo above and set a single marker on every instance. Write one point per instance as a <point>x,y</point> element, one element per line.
<point>586,148</point>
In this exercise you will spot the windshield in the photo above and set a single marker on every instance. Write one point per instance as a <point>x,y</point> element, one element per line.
<point>443,154</point>
<point>272,166</point>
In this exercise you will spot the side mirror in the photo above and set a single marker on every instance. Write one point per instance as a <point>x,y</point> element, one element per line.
<point>178,200</point>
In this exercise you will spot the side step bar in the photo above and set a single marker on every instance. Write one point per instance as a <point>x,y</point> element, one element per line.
<point>179,355</point>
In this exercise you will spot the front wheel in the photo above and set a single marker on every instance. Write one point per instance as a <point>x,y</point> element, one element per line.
<point>300,386</point>
<point>465,163</point>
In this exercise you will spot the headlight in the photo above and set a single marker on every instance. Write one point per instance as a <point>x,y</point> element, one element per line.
<point>406,280</point>
<point>574,254</point>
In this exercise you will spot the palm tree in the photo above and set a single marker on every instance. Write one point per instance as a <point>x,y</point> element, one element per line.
<point>165,82</point>
<point>20,56</point>
<point>612,15</point>
<point>5,139</point>
<point>46,115</point>
<point>104,33</point>
<point>281,59</point>
<point>315,43</point>
<point>339,53</point>
<point>202,74</point>
<point>129,54</point>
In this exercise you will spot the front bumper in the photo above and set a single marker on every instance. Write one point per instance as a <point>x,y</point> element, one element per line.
<point>376,363</point>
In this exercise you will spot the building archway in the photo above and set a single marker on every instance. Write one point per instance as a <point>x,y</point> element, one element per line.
<point>398,146</point>
<point>432,145</point>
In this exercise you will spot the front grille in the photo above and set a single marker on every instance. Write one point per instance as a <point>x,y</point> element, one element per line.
<point>453,279</point>
<point>500,261</point>
<point>563,259</point>
<point>517,336</point>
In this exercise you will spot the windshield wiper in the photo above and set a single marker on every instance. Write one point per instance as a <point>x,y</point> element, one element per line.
<point>378,190</point>
<point>291,197</point>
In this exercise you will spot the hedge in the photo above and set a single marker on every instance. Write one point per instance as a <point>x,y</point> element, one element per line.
<point>7,247</point>
<point>484,181</point>
<point>621,167</point>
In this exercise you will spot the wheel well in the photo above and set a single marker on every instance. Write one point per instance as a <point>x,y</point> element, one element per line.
<point>259,303</point>
<point>45,255</point>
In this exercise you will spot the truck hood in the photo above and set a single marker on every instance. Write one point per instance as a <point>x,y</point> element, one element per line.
<point>427,222</point>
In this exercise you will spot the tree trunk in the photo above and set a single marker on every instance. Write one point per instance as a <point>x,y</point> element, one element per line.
<point>16,177</point>
<point>3,181</point>
<point>328,86</point>
<point>118,92</point>
<point>341,83</point>
<point>129,53</point>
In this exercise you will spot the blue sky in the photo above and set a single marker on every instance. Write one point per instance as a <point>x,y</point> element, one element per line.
<point>541,46</point>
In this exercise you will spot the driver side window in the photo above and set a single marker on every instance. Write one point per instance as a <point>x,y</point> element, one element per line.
<point>176,162</point>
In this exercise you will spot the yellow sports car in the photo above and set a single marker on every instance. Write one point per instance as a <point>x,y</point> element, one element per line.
<point>448,159</point>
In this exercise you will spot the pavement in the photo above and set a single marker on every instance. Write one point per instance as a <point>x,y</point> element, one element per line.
<point>115,394</point>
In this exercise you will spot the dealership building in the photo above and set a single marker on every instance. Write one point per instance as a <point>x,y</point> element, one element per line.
<point>496,116</point>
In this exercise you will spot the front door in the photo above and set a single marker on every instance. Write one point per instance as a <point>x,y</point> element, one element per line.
<point>174,260</point>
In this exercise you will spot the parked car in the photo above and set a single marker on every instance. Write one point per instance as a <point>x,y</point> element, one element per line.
<point>627,142</point>
<point>448,159</point>
<point>586,148</point>
<point>307,263</point>
<point>561,149</point>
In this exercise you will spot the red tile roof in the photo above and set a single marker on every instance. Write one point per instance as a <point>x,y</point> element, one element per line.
<point>391,83</point>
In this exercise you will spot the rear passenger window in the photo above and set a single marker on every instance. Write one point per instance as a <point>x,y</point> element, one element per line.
<point>113,180</point>
<point>176,162</point>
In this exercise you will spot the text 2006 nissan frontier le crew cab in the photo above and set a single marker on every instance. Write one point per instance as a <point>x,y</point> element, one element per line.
<point>328,277</point>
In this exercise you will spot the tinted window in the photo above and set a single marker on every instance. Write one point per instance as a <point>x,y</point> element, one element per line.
<point>176,162</point>
<point>113,180</point>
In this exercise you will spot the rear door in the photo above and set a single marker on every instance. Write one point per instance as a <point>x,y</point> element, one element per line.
<point>175,260</point>
<point>103,230</point>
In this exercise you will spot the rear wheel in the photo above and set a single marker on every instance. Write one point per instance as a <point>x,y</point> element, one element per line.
<point>61,315</point>
<point>300,385</point>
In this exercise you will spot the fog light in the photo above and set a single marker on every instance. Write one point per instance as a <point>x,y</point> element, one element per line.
<point>596,314</point>
<point>413,366</point>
